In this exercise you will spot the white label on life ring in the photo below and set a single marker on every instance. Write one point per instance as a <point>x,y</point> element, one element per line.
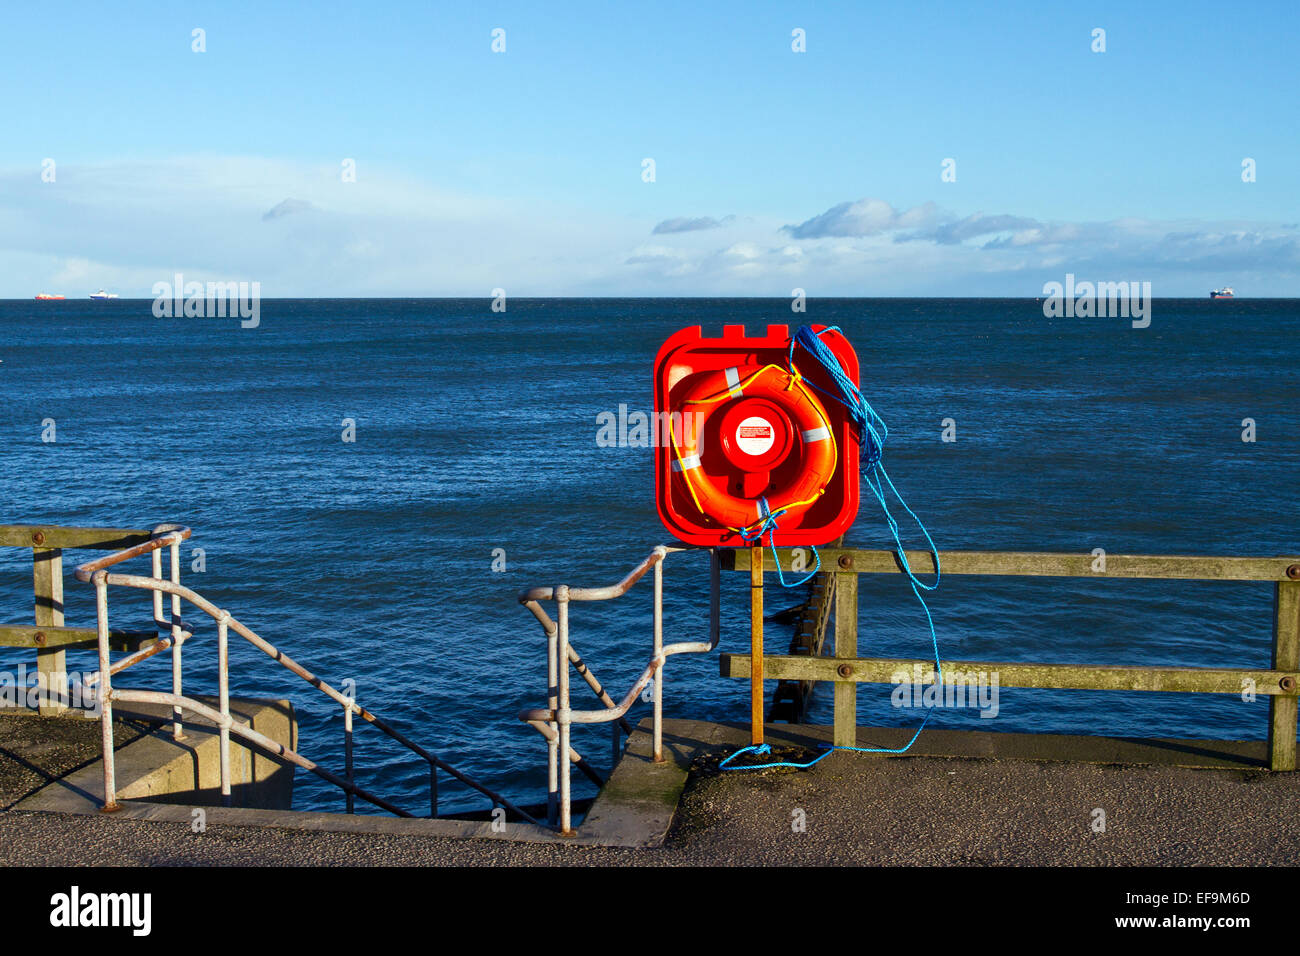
<point>755,436</point>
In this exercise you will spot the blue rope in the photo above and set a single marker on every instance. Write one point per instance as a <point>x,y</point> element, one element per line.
<point>871,432</point>
<point>765,749</point>
<point>769,527</point>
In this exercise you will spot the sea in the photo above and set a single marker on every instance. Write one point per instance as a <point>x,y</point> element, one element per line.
<point>372,482</point>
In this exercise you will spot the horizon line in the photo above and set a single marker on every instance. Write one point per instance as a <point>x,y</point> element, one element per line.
<point>489,298</point>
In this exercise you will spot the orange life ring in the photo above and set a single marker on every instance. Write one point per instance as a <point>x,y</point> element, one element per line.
<point>768,415</point>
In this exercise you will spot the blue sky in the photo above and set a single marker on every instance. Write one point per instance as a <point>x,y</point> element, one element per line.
<point>773,169</point>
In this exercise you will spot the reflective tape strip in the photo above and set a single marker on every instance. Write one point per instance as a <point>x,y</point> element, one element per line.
<point>686,462</point>
<point>733,382</point>
<point>817,434</point>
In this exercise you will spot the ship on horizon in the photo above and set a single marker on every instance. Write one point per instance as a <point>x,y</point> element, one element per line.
<point>1224,293</point>
<point>46,295</point>
<point>101,294</point>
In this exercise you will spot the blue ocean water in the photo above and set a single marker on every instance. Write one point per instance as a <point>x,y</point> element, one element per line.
<point>373,560</point>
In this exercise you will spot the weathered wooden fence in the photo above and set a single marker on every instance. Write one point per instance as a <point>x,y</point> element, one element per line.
<point>846,669</point>
<point>49,637</point>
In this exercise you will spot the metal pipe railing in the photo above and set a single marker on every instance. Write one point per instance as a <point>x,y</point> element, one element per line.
<point>170,536</point>
<point>105,695</point>
<point>252,736</point>
<point>555,721</point>
<point>658,743</point>
<point>347,753</point>
<point>563,715</point>
<point>223,695</point>
<point>178,729</point>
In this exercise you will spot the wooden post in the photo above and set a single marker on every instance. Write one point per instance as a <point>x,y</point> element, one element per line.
<point>1286,657</point>
<point>846,646</point>
<point>51,662</point>
<point>756,644</point>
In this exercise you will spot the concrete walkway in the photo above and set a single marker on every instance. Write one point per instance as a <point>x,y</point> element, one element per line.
<point>1030,808</point>
<point>36,751</point>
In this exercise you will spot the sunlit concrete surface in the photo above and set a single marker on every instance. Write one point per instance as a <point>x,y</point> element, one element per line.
<point>1033,808</point>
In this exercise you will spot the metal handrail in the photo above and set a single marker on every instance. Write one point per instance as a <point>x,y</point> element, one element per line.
<point>171,536</point>
<point>164,536</point>
<point>555,720</point>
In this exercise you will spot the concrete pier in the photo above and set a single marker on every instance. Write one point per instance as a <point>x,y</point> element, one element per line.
<point>962,798</point>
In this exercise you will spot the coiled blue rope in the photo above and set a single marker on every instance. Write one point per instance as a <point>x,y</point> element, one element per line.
<point>871,432</point>
<point>765,749</point>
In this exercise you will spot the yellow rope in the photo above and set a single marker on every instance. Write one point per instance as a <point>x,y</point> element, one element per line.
<point>727,392</point>
<point>677,454</point>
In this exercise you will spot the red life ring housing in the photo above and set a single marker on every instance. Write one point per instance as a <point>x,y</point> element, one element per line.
<point>766,415</point>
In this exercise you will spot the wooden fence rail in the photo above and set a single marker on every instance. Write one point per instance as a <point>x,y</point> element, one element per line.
<point>49,637</point>
<point>1278,682</point>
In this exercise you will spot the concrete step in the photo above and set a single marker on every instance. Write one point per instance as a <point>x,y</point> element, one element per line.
<point>157,769</point>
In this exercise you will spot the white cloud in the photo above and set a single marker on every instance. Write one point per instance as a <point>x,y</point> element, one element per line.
<point>865,217</point>
<point>287,208</point>
<point>125,226</point>
<point>689,224</point>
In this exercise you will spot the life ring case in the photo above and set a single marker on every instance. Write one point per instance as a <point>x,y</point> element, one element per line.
<point>681,360</point>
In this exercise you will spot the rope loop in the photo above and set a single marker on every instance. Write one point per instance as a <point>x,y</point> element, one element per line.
<point>767,526</point>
